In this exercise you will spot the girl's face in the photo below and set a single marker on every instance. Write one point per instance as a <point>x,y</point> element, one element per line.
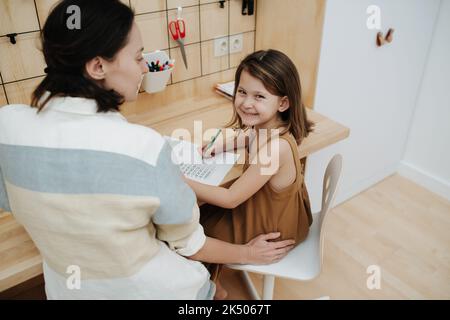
<point>255,105</point>
<point>125,73</point>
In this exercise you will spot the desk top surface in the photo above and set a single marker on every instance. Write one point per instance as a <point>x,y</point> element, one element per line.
<point>19,258</point>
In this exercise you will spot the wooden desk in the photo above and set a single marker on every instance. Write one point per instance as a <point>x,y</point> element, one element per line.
<point>216,112</point>
<point>19,258</point>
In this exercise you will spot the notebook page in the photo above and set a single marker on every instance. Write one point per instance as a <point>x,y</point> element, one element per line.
<point>209,171</point>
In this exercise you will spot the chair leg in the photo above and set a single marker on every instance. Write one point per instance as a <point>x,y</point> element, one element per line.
<point>250,286</point>
<point>269,283</point>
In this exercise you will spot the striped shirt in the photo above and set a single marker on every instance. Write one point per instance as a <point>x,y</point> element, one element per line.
<point>101,195</point>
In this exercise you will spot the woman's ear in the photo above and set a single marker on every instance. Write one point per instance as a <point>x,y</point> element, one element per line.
<point>95,68</point>
<point>284,104</point>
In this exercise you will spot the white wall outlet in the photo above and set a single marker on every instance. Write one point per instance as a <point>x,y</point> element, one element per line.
<point>236,43</point>
<point>221,47</point>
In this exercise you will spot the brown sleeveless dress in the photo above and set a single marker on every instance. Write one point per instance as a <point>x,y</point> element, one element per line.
<point>287,211</point>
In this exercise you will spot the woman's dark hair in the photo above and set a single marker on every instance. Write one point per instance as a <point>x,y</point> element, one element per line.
<point>104,29</point>
<point>280,77</point>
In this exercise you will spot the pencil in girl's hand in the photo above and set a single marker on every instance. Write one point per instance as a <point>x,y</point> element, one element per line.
<point>210,144</point>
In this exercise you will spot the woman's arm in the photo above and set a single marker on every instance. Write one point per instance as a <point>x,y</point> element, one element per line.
<point>4,203</point>
<point>257,251</point>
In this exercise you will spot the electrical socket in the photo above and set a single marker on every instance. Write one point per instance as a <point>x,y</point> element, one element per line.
<point>221,47</point>
<point>236,43</point>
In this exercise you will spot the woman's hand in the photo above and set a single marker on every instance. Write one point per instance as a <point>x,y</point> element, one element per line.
<point>262,251</point>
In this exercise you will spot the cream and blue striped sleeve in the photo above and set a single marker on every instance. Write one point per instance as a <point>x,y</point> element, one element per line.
<point>177,218</point>
<point>4,203</point>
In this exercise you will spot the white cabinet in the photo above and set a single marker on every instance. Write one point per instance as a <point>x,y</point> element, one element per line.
<point>372,90</point>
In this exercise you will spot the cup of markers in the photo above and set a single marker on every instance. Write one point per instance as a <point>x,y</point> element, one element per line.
<point>157,67</point>
<point>160,67</point>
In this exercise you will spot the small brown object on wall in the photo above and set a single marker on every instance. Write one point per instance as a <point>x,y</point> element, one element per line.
<point>390,35</point>
<point>381,40</point>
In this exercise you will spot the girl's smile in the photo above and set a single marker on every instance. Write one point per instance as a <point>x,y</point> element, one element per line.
<point>248,115</point>
<point>254,104</point>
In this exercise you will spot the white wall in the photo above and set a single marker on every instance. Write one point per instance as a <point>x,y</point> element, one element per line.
<point>427,155</point>
<point>371,90</point>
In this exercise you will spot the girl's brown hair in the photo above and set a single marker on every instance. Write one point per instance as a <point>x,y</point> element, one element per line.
<point>280,77</point>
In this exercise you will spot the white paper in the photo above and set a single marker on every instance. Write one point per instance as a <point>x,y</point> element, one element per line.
<point>227,87</point>
<point>209,171</point>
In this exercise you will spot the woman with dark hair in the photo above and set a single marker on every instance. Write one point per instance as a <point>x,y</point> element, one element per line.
<point>100,197</point>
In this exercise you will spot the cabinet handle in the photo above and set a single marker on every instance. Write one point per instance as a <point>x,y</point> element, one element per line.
<point>382,40</point>
<point>12,37</point>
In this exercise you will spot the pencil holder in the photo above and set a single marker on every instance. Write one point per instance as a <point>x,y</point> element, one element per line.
<point>156,81</point>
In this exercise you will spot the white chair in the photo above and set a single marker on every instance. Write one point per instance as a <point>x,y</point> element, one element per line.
<point>304,262</point>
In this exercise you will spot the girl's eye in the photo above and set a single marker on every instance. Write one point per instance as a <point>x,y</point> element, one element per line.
<point>240,91</point>
<point>260,97</point>
<point>140,59</point>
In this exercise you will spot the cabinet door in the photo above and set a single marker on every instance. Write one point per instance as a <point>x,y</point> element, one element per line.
<point>372,90</point>
<point>240,23</point>
<point>20,91</point>
<point>180,73</point>
<point>21,60</point>
<point>295,28</point>
<point>145,6</point>
<point>43,8</point>
<point>154,32</point>
<point>213,21</point>
<point>172,4</point>
<point>17,16</point>
<point>2,96</point>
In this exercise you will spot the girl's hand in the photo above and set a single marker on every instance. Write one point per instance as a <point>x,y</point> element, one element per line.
<point>211,151</point>
<point>262,251</point>
<point>207,153</point>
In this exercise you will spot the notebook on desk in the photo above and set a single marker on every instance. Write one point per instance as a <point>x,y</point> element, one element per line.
<point>209,171</point>
<point>225,89</point>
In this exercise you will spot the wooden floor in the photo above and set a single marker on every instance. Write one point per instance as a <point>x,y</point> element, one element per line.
<point>397,225</point>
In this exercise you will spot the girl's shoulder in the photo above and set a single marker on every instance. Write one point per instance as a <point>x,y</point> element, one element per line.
<point>286,154</point>
<point>280,147</point>
<point>287,148</point>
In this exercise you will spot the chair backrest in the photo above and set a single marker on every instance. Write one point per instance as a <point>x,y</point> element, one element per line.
<point>330,182</point>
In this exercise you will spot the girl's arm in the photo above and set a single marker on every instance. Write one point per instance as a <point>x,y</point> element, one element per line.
<point>253,179</point>
<point>257,251</point>
<point>228,140</point>
<point>242,189</point>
